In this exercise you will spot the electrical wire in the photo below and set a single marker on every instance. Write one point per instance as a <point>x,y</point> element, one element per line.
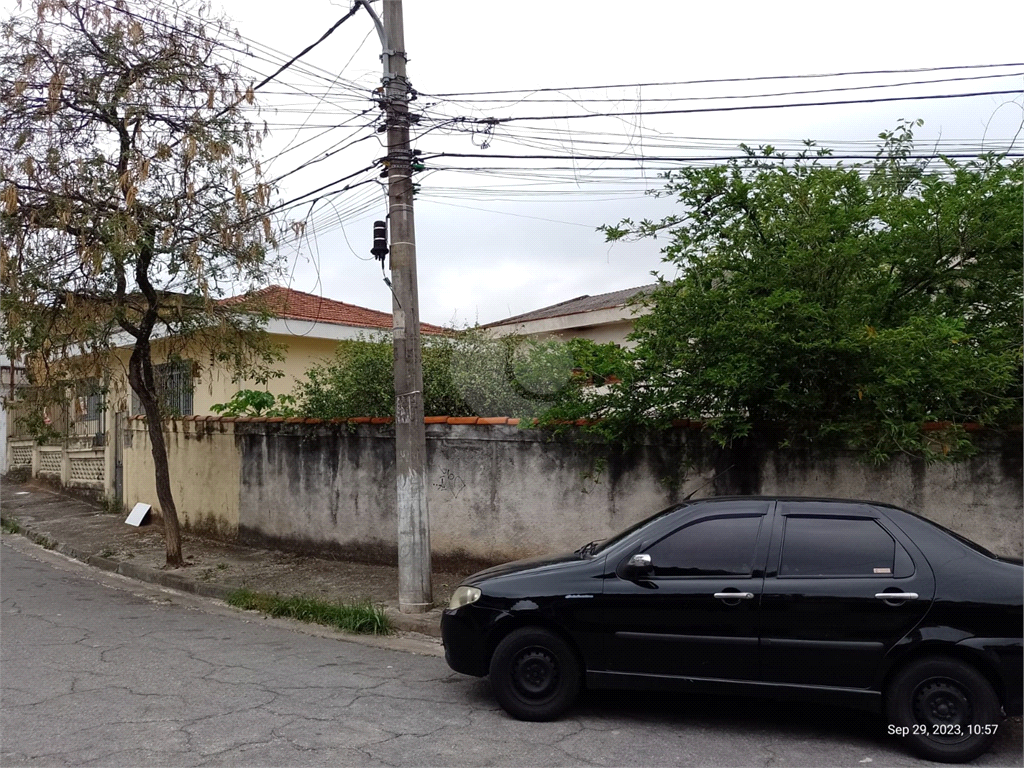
<point>500,120</point>
<point>722,80</point>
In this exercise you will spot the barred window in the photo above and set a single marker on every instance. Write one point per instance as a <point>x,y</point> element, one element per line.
<point>173,385</point>
<point>93,406</point>
<point>90,404</point>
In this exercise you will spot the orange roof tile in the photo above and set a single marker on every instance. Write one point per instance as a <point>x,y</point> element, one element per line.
<point>297,305</point>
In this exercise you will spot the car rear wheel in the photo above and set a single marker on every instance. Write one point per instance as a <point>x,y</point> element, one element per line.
<point>945,709</point>
<point>535,675</point>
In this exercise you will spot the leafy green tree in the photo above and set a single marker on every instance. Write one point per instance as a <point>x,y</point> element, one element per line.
<point>852,301</point>
<point>131,196</point>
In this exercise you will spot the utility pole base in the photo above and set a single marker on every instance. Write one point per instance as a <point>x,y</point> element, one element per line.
<point>414,607</point>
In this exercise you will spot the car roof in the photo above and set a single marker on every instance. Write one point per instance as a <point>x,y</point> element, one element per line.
<point>711,499</point>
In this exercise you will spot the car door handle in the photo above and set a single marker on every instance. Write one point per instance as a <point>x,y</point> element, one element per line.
<point>896,596</point>
<point>734,595</point>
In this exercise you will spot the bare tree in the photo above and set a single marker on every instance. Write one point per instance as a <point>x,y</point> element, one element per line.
<point>131,197</point>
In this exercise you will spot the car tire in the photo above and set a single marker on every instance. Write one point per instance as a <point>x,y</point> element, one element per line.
<point>946,709</point>
<point>535,674</point>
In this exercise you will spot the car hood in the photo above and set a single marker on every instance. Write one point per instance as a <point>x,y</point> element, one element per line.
<point>518,566</point>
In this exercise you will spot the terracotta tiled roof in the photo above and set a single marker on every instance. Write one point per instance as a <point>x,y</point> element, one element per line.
<point>297,305</point>
<point>575,306</point>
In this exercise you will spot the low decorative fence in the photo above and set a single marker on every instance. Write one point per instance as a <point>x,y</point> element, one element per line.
<point>72,465</point>
<point>86,468</point>
<point>19,453</point>
<point>51,462</point>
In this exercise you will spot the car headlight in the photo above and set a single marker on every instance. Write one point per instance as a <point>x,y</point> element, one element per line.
<point>464,596</point>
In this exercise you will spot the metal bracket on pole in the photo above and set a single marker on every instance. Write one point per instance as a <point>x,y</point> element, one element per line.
<point>386,51</point>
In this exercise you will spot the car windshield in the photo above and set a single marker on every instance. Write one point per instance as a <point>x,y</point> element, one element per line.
<point>608,543</point>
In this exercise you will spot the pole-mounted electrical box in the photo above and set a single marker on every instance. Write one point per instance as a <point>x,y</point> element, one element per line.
<point>380,241</point>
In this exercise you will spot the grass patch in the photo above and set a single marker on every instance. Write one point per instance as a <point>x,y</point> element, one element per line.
<point>363,618</point>
<point>9,525</point>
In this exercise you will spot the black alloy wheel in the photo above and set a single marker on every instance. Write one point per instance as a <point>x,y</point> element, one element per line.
<point>535,675</point>
<point>944,709</point>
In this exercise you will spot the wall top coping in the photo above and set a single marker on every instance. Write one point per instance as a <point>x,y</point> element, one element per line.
<point>90,451</point>
<point>482,421</point>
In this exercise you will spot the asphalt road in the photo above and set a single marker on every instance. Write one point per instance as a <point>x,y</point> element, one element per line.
<point>99,670</point>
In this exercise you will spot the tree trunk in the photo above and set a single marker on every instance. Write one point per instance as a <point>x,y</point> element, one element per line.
<point>140,375</point>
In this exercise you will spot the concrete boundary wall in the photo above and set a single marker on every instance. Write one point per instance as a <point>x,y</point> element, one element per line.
<point>498,492</point>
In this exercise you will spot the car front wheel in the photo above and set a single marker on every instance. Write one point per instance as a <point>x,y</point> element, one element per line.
<point>535,675</point>
<point>945,709</point>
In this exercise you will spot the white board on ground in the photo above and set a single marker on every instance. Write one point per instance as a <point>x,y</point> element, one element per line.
<point>138,514</point>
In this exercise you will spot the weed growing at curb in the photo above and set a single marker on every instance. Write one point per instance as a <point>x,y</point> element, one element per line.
<point>363,618</point>
<point>107,553</point>
<point>10,525</point>
<point>113,507</point>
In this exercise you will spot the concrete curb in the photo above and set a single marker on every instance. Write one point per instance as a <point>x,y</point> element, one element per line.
<point>424,623</point>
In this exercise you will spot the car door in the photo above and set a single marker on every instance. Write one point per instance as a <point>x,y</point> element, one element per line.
<point>694,614</point>
<point>825,617</point>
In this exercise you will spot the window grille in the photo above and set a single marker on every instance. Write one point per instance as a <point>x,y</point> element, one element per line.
<point>93,406</point>
<point>173,385</point>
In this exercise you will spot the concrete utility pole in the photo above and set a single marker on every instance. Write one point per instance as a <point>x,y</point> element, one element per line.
<point>414,579</point>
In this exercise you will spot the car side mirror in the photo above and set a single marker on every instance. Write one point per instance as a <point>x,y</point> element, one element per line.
<point>637,566</point>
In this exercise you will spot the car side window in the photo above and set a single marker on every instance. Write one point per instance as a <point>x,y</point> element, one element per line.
<point>836,546</point>
<point>720,546</point>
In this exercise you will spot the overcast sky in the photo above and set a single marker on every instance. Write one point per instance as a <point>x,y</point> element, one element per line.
<point>494,245</point>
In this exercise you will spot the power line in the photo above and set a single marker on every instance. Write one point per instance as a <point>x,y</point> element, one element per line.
<point>508,213</point>
<point>308,48</point>
<point>502,120</point>
<point>725,80</point>
<point>871,87</point>
<point>709,158</point>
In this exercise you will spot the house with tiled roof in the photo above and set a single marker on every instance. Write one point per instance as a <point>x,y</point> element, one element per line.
<point>298,313</point>
<point>309,328</point>
<point>306,327</point>
<point>607,317</point>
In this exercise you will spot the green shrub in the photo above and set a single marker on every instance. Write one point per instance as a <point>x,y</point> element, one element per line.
<point>464,374</point>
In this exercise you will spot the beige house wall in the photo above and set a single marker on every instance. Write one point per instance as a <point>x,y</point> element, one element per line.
<point>215,383</point>
<point>205,470</point>
<point>601,326</point>
<point>302,352</point>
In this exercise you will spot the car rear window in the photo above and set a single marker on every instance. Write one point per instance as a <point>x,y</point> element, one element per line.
<point>963,540</point>
<point>836,546</point>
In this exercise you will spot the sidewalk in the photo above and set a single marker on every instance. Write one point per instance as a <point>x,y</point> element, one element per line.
<point>86,532</point>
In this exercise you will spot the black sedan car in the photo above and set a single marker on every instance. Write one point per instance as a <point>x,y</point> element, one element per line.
<point>851,602</point>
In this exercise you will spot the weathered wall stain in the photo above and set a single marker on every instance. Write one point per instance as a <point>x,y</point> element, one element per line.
<point>498,493</point>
